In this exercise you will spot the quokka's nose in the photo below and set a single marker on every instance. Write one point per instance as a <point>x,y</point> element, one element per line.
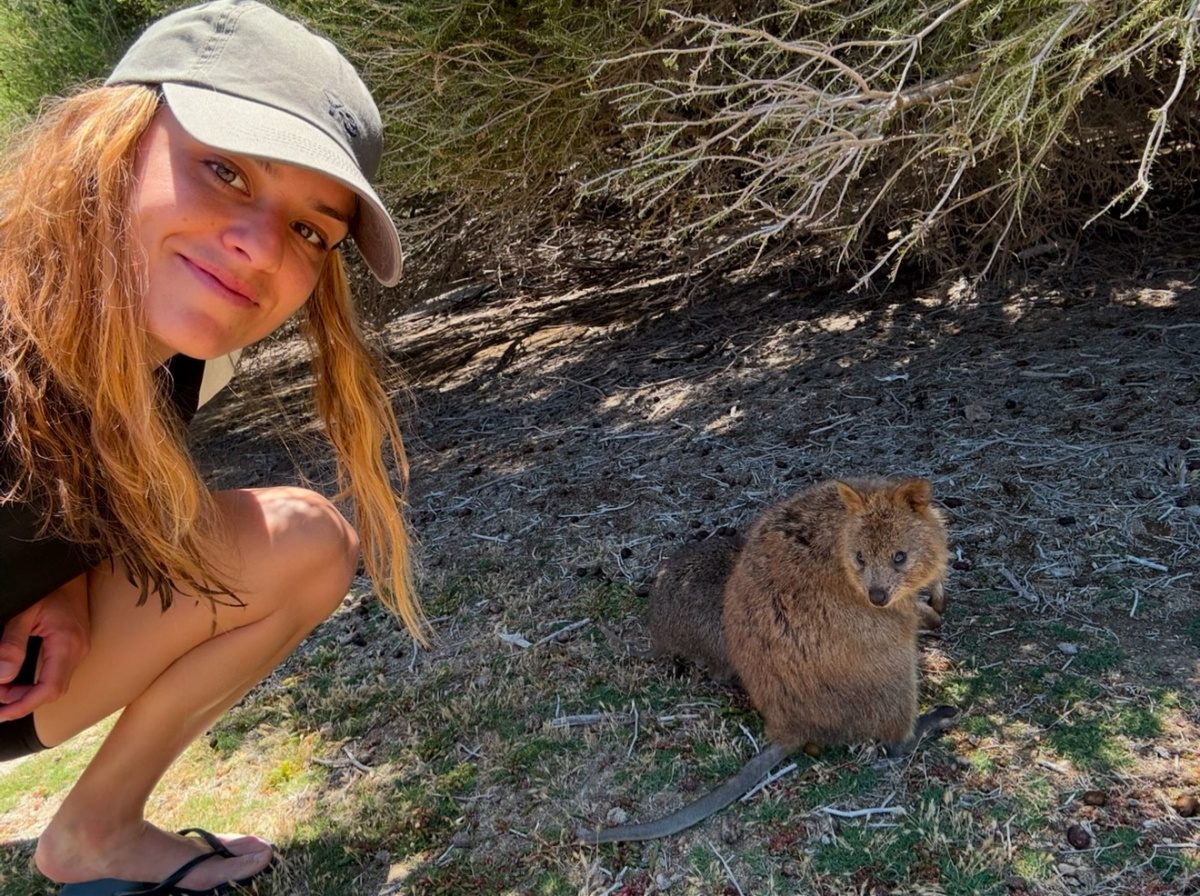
<point>878,595</point>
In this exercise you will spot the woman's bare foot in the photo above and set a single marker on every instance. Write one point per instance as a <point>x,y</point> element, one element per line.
<point>147,854</point>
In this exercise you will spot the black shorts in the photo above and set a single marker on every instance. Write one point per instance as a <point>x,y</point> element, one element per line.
<point>18,738</point>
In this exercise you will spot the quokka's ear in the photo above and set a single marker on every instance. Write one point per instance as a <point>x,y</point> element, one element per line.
<point>916,493</point>
<point>850,498</point>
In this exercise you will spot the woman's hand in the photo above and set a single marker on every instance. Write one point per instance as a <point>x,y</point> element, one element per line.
<point>61,620</point>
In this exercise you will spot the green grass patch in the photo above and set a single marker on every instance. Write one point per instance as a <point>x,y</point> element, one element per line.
<point>1033,864</point>
<point>462,873</point>
<point>533,759</point>
<point>886,851</point>
<point>1191,630</point>
<point>612,601</point>
<point>1099,659</point>
<point>1087,741</point>
<point>1118,847</point>
<point>18,877</point>
<point>44,774</point>
<point>1137,721</point>
<point>842,782</point>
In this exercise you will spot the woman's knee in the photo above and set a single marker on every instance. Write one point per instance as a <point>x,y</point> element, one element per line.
<point>310,549</point>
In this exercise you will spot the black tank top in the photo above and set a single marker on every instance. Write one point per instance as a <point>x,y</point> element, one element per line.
<point>32,567</point>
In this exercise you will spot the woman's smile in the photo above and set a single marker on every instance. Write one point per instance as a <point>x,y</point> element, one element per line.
<point>230,245</point>
<point>222,282</point>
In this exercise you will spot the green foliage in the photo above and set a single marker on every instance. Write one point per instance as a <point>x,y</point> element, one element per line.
<point>47,46</point>
<point>486,98</point>
<point>953,132</point>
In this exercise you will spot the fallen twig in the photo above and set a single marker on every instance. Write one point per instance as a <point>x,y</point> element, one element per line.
<point>728,870</point>
<point>1021,590</point>
<point>1151,564</point>
<point>562,631</point>
<point>862,813</point>
<point>769,780</point>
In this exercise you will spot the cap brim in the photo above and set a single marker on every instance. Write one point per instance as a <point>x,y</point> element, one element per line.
<point>233,124</point>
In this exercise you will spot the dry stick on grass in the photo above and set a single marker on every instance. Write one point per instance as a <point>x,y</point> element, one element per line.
<point>633,740</point>
<point>864,813</point>
<point>769,780</point>
<point>574,626</point>
<point>343,763</point>
<point>1020,588</point>
<point>519,640</point>
<point>728,870</point>
<point>595,718</point>
<point>617,718</point>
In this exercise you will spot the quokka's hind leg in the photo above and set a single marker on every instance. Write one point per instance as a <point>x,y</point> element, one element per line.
<point>929,725</point>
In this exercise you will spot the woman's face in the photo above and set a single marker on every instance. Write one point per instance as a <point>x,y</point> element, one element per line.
<point>232,245</point>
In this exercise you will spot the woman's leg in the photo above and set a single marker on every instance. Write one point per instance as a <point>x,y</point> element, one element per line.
<point>175,673</point>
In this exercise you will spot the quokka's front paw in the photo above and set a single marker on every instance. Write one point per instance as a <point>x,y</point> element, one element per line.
<point>931,603</point>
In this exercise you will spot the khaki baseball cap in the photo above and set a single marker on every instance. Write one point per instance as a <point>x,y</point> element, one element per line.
<point>243,78</point>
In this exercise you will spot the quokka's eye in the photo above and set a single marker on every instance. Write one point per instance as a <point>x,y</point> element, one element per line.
<point>858,558</point>
<point>899,558</point>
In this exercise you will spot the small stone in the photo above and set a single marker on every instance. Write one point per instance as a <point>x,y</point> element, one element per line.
<point>1016,884</point>
<point>1068,648</point>
<point>1094,798</point>
<point>791,868</point>
<point>1065,869</point>
<point>1078,836</point>
<point>462,839</point>
<point>616,815</point>
<point>1186,805</point>
<point>976,413</point>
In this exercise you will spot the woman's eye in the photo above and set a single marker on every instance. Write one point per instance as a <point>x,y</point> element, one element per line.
<point>227,175</point>
<point>310,234</point>
<point>899,558</point>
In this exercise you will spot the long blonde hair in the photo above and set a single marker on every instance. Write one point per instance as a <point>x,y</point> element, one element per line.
<point>360,423</point>
<point>107,475</point>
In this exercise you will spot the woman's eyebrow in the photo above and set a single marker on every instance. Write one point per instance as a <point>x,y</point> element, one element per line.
<point>318,206</point>
<point>330,211</point>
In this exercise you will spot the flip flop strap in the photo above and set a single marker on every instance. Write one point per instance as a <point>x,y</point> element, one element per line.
<point>166,887</point>
<point>214,843</point>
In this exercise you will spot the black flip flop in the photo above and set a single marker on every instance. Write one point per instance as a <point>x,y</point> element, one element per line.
<point>112,886</point>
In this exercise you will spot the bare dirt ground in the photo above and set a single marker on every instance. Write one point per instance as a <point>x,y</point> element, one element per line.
<point>562,444</point>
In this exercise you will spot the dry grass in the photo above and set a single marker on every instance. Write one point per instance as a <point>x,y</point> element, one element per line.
<point>562,447</point>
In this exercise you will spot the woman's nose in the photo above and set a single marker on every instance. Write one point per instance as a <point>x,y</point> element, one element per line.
<point>259,238</point>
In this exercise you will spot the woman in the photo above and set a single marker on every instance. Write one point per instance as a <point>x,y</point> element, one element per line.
<point>150,229</point>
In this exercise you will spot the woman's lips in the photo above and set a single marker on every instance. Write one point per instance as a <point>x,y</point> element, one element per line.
<point>221,282</point>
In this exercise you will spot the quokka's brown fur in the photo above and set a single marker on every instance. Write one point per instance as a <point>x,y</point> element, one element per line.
<point>685,604</point>
<point>819,621</point>
<point>820,613</point>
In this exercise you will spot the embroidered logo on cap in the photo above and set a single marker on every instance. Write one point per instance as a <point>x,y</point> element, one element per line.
<point>343,116</point>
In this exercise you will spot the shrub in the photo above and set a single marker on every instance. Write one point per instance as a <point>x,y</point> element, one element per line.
<point>47,46</point>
